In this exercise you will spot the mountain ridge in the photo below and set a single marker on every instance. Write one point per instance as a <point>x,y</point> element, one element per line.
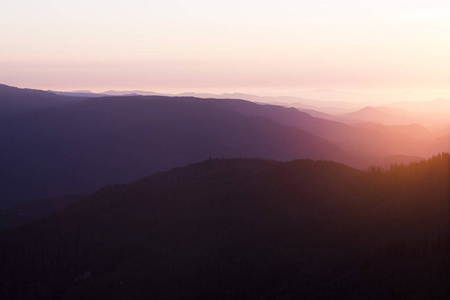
<point>119,139</point>
<point>15,100</point>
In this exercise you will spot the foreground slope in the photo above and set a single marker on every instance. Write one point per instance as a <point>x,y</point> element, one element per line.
<point>26,212</point>
<point>243,228</point>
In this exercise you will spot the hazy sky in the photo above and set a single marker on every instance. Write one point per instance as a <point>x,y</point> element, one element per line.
<point>236,45</point>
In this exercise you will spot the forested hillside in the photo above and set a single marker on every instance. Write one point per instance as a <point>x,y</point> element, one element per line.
<point>243,228</point>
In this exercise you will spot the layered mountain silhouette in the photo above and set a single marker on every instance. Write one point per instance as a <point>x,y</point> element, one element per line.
<point>243,228</point>
<point>82,93</point>
<point>395,116</point>
<point>337,105</point>
<point>15,101</point>
<point>76,145</point>
<point>261,225</point>
<point>82,147</point>
<point>354,139</point>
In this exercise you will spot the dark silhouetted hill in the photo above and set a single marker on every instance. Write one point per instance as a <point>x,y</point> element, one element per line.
<point>243,229</point>
<point>29,211</point>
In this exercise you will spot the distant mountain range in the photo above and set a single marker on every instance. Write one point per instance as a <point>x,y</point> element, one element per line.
<point>100,141</point>
<point>74,145</point>
<point>15,101</point>
<point>322,100</point>
<point>396,116</point>
<point>83,94</point>
<point>340,106</point>
<point>298,102</point>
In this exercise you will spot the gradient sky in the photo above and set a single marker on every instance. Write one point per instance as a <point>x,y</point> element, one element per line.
<point>227,46</point>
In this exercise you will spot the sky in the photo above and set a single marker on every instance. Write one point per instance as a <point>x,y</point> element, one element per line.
<point>267,47</point>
